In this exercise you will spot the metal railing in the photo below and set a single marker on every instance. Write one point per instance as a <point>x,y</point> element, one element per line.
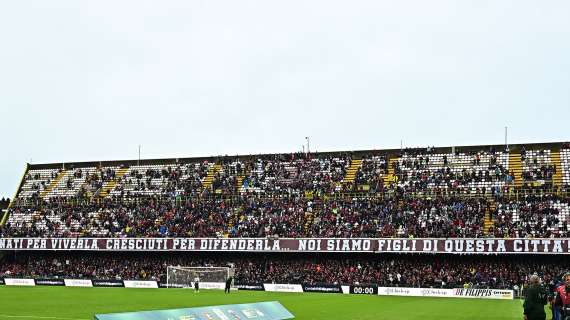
<point>390,194</point>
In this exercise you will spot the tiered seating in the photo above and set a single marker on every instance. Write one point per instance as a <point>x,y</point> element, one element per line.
<point>299,195</point>
<point>47,222</point>
<point>61,188</point>
<point>79,182</point>
<point>225,181</point>
<point>37,181</point>
<point>371,173</point>
<point>164,180</point>
<point>254,217</point>
<point>533,217</point>
<point>57,183</point>
<point>481,171</point>
<point>565,163</point>
<point>537,167</point>
<point>296,176</point>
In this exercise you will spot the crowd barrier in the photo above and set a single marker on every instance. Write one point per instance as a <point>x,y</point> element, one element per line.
<point>362,289</point>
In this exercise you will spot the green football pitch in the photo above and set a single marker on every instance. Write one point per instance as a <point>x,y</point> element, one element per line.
<point>61,303</point>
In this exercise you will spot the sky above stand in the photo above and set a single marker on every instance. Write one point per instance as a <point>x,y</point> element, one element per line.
<point>93,80</point>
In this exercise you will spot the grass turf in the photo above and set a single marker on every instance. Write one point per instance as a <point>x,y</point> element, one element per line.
<point>82,303</point>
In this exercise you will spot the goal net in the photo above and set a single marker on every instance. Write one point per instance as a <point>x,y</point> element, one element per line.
<point>184,277</point>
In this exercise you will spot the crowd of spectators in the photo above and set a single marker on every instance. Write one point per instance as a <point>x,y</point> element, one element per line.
<point>537,166</point>
<point>296,176</point>
<point>297,195</point>
<point>254,217</point>
<point>371,173</point>
<point>452,171</point>
<point>386,270</point>
<point>535,216</point>
<point>296,216</point>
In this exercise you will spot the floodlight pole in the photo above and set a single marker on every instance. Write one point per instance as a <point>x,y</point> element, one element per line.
<point>506,141</point>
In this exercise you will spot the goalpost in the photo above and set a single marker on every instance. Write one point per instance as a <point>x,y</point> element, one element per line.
<point>208,277</point>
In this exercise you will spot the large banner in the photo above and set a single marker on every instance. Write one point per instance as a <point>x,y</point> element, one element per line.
<point>452,245</point>
<point>366,289</point>
<point>261,311</point>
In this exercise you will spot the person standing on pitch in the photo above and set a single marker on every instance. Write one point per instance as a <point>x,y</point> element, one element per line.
<point>228,285</point>
<point>196,284</point>
<point>535,300</point>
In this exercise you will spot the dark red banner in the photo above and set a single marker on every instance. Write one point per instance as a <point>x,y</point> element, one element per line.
<point>452,245</point>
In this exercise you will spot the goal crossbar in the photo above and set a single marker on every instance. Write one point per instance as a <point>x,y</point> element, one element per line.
<point>185,277</point>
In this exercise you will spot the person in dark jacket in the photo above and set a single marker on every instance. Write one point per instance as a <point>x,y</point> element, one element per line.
<point>562,298</point>
<point>535,300</point>
<point>228,285</point>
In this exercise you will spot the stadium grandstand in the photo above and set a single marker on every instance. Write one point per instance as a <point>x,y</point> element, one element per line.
<point>483,191</point>
<point>273,160</point>
<point>300,218</point>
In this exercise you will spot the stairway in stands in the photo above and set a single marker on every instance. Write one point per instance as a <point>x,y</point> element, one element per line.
<point>557,178</point>
<point>239,182</point>
<point>52,184</point>
<point>4,217</point>
<point>209,179</point>
<point>352,170</point>
<point>388,178</point>
<point>310,216</point>
<point>516,168</point>
<point>111,184</point>
<point>489,222</point>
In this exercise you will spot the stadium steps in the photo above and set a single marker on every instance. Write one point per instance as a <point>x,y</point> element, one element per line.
<point>390,177</point>
<point>489,222</point>
<point>515,167</point>
<point>110,185</point>
<point>209,179</point>
<point>310,216</point>
<point>239,182</point>
<point>52,184</point>
<point>309,219</point>
<point>557,177</point>
<point>4,217</point>
<point>352,170</point>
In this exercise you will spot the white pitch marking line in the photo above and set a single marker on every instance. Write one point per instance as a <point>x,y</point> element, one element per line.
<point>37,317</point>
